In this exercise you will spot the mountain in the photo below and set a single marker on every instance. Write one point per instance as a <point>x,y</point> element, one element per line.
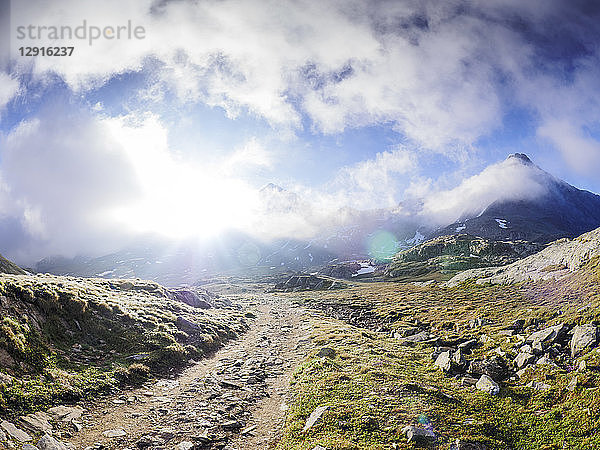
<point>559,259</point>
<point>444,256</point>
<point>561,210</point>
<point>187,262</point>
<point>10,267</point>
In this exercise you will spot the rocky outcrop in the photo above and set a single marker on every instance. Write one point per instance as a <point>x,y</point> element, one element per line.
<point>456,253</point>
<point>306,283</point>
<point>556,261</point>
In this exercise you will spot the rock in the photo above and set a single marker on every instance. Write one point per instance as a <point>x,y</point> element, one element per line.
<point>30,447</point>
<point>444,361</point>
<point>494,367</point>
<point>548,336</point>
<point>487,384</point>
<point>459,360</point>
<point>545,361</point>
<point>573,383</point>
<point>419,436</point>
<point>126,285</point>
<point>66,413</point>
<point>537,348</point>
<point>423,337</point>
<point>479,322</point>
<point>186,325</point>
<point>319,447</point>
<point>314,417</point>
<point>47,442</point>
<point>193,298</point>
<point>523,359</point>
<point>467,445</point>
<point>538,386</point>
<point>117,432</point>
<point>468,345</point>
<point>5,379</point>
<point>231,425</point>
<point>15,432</point>
<point>37,422</point>
<point>526,349</point>
<point>469,381</point>
<point>185,445</point>
<point>584,337</point>
<point>582,366</point>
<point>327,352</point>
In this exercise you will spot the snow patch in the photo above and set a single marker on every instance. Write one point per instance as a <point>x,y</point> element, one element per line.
<point>416,239</point>
<point>461,227</point>
<point>502,223</point>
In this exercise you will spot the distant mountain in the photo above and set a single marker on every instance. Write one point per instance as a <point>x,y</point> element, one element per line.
<point>561,211</point>
<point>7,266</point>
<point>186,263</point>
<point>554,209</point>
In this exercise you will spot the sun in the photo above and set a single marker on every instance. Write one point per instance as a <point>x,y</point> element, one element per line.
<point>178,198</point>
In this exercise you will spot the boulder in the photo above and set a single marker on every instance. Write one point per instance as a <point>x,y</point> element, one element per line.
<point>37,422</point>
<point>193,298</point>
<point>47,442</point>
<point>486,384</point>
<point>326,352</point>
<point>66,413</point>
<point>548,336</point>
<point>14,432</point>
<point>494,367</point>
<point>523,359</point>
<point>419,436</point>
<point>584,337</point>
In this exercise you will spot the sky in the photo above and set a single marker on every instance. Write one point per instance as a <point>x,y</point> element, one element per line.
<point>174,128</point>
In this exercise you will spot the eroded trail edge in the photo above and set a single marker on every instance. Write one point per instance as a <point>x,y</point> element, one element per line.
<point>235,399</point>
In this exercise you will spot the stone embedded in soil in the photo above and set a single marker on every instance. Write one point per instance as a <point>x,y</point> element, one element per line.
<point>47,442</point>
<point>66,413</point>
<point>15,432</point>
<point>327,352</point>
<point>314,417</point>
<point>524,359</point>
<point>584,337</point>
<point>37,422</point>
<point>488,385</point>
<point>117,432</point>
<point>419,436</point>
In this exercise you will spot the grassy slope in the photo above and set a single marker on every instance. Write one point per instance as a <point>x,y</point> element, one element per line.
<point>7,266</point>
<point>67,338</point>
<point>375,386</point>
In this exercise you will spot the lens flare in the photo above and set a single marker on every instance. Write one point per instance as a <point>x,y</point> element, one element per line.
<point>382,246</point>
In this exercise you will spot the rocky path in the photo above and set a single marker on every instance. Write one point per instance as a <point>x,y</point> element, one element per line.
<point>235,399</point>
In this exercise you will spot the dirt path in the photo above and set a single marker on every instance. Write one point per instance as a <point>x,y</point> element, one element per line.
<point>235,399</point>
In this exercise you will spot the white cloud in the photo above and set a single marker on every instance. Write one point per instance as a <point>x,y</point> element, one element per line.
<point>9,87</point>
<point>509,179</point>
<point>581,151</point>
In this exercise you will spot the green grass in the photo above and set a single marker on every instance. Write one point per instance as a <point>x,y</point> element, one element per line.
<point>375,386</point>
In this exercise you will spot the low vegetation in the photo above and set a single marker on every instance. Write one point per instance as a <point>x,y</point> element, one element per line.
<point>63,339</point>
<point>376,381</point>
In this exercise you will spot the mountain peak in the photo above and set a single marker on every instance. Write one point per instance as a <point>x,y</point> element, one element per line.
<point>271,187</point>
<point>522,157</point>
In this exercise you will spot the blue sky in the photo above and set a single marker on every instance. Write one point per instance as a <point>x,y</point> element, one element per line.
<point>361,104</point>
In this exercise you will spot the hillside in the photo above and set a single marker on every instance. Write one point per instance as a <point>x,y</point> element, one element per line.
<point>10,267</point>
<point>558,260</point>
<point>444,256</point>
<point>64,339</point>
